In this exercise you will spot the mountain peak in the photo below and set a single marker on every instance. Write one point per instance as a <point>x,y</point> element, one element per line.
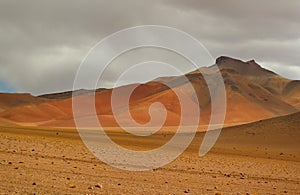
<point>251,61</point>
<point>223,59</point>
<point>250,67</point>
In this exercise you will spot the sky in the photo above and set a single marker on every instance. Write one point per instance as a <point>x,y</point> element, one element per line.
<point>42,43</point>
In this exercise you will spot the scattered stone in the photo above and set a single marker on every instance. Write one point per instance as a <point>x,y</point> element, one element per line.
<point>91,187</point>
<point>71,185</point>
<point>187,191</point>
<point>3,162</point>
<point>99,185</point>
<point>243,176</point>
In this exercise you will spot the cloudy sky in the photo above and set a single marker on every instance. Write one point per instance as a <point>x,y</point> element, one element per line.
<point>42,43</point>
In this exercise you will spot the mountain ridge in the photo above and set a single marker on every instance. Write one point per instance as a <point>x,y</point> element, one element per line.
<point>263,93</point>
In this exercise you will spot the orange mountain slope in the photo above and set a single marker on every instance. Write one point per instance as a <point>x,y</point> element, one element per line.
<point>253,93</point>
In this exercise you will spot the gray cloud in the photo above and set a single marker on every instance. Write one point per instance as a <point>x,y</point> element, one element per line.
<point>43,42</point>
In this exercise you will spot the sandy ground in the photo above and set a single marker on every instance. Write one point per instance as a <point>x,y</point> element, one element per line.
<point>49,161</point>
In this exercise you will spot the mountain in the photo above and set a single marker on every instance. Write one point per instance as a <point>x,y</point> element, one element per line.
<point>253,93</point>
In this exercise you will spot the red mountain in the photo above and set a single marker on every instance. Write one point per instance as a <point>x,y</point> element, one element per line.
<point>253,93</point>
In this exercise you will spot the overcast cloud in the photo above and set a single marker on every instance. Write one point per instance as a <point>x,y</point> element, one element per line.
<point>43,42</point>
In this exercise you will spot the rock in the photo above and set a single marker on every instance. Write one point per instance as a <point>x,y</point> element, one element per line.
<point>33,183</point>
<point>91,187</point>
<point>71,185</point>
<point>3,162</point>
<point>243,176</point>
<point>98,186</point>
<point>187,191</point>
<point>218,193</point>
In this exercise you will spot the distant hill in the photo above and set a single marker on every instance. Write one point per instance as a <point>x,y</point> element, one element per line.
<point>253,93</point>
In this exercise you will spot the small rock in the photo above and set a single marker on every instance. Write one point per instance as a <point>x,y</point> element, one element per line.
<point>71,185</point>
<point>33,183</point>
<point>218,193</point>
<point>187,191</point>
<point>243,176</point>
<point>98,185</point>
<point>91,187</point>
<point>3,162</point>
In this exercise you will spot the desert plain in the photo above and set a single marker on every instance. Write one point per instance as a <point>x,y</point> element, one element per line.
<point>246,159</point>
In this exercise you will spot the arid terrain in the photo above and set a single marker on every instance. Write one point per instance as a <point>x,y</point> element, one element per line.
<point>257,158</point>
<point>257,152</point>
